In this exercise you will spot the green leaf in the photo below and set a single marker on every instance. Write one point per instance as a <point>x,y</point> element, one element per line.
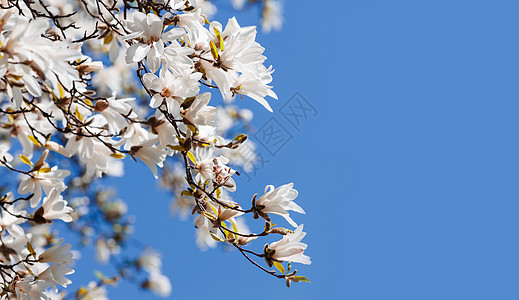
<point>217,238</point>
<point>177,147</point>
<point>219,37</point>
<point>25,160</point>
<point>279,267</point>
<point>34,140</point>
<point>301,279</point>
<point>31,249</point>
<point>45,170</point>
<point>191,157</point>
<point>117,155</point>
<point>214,50</point>
<point>28,270</point>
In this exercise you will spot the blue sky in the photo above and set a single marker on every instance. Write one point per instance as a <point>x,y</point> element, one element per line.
<point>407,168</point>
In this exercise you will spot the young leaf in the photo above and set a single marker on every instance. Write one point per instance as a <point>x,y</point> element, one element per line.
<point>25,160</point>
<point>279,267</point>
<point>34,140</point>
<point>31,249</point>
<point>214,50</point>
<point>191,157</point>
<point>301,279</point>
<point>117,155</point>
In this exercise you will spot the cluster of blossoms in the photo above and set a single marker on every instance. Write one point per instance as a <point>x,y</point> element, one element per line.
<point>75,121</point>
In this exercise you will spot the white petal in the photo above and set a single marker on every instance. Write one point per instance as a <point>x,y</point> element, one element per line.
<point>136,52</point>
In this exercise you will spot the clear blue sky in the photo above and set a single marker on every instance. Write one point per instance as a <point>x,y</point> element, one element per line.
<point>408,172</point>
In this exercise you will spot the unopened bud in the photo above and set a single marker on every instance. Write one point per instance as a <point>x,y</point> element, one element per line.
<point>280,230</point>
<point>87,68</point>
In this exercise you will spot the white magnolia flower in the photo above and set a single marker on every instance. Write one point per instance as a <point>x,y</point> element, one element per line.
<point>59,254</point>
<point>53,179</point>
<point>272,16</point>
<point>289,248</point>
<point>193,24</point>
<point>237,53</point>
<point>223,174</point>
<point>151,155</point>
<point>207,8</point>
<point>199,113</point>
<point>56,296</point>
<point>93,154</point>
<point>158,284</point>
<point>150,261</point>
<point>238,4</point>
<point>114,111</point>
<point>148,31</point>
<point>174,4</point>
<point>29,288</point>
<point>93,291</point>
<point>255,85</point>
<point>214,169</point>
<point>115,78</point>
<point>55,275</point>
<point>8,219</point>
<point>54,207</point>
<point>21,130</point>
<point>171,88</point>
<point>175,58</point>
<point>48,59</point>
<point>15,242</point>
<point>102,251</point>
<point>4,154</point>
<point>204,163</point>
<point>279,201</point>
<point>135,135</point>
<point>165,131</point>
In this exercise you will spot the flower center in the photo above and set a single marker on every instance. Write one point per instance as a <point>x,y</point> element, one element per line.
<point>166,93</point>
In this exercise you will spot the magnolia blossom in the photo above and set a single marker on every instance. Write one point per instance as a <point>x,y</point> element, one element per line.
<point>115,112</point>
<point>236,52</point>
<point>175,59</point>
<point>289,248</point>
<point>150,155</point>
<point>94,291</point>
<point>272,16</point>
<point>51,179</point>
<point>55,274</point>
<point>199,113</point>
<point>150,261</point>
<point>214,169</point>
<point>59,99</point>
<point>171,88</point>
<point>30,288</point>
<point>223,174</point>
<point>93,153</point>
<point>105,249</point>
<point>149,30</point>
<point>54,207</point>
<point>278,201</point>
<point>238,4</point>
<point>229,211</point>
<point>204,234</point>
<point>165,131</point>
<point>8,218</point>
<point>115,78</point>
<point>58,253</point>
<point>159,284</point>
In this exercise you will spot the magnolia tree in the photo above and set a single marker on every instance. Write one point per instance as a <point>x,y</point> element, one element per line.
<point>88,84</point>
